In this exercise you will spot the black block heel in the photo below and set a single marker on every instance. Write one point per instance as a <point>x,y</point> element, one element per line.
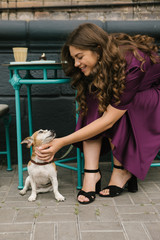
<point>116,191</point>
<point>132,184</point>
<point>98,186</point>
<point>91,195</point>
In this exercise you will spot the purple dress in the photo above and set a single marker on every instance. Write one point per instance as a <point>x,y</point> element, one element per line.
<point>136,135</point>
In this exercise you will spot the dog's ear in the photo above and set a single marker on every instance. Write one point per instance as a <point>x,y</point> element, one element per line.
<point>29,141</point>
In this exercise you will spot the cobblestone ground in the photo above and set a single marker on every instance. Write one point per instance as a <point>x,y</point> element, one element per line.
<point>131,216</point>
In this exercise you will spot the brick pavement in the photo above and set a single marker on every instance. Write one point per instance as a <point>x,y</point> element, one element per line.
<point>131,216</point>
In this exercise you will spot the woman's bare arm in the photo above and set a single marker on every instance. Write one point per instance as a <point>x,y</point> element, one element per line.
<point>106,121</point>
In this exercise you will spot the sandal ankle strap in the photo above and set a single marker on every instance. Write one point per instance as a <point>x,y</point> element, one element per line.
<point>91,171</point>
<point>118,167</point>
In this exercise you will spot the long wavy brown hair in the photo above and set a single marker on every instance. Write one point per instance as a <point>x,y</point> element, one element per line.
<point>107,80</point>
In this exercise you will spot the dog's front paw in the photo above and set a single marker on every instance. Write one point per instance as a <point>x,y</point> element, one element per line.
<point>59,198</point>
<point>22,192</point>
<point>32,198</point>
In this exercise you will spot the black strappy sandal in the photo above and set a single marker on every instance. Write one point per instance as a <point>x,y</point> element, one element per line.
<point>114,191</point>
<point>91,195</point>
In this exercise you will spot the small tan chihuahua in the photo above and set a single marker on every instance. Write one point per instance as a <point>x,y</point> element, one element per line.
<point>42,175</point>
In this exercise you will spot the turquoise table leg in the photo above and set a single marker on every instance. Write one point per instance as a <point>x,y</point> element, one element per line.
<point>19,146</point>
<point>29,109</point>
<point>45,74</point>
<point>29,113</point>
<point>15,82</point>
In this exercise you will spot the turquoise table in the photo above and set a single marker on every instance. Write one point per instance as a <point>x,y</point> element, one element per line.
<point>17,81</point>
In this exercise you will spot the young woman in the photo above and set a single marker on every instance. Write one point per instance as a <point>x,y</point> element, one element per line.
<point>117,78</point>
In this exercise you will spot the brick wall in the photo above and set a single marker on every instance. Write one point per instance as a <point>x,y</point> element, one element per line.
<point>79,9</point>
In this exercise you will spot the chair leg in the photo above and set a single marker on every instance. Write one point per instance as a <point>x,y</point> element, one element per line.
<point>79,169</point>
<point>7,120</point>
<point>82,159</point>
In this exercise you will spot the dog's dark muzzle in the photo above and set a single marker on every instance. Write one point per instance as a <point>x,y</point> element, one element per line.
<point>53,134</point>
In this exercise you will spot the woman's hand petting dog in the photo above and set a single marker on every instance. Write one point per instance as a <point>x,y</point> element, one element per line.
<point>47,151</point>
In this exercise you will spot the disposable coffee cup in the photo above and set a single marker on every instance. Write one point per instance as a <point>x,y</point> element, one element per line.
<point>20,54</point>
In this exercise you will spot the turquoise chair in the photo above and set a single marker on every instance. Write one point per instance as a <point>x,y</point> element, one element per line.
<point>6,118</point>
<point>156,163</point>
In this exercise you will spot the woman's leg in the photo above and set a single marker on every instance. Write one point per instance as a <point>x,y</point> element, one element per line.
<point>91,150</point>
<point>119,177</point>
